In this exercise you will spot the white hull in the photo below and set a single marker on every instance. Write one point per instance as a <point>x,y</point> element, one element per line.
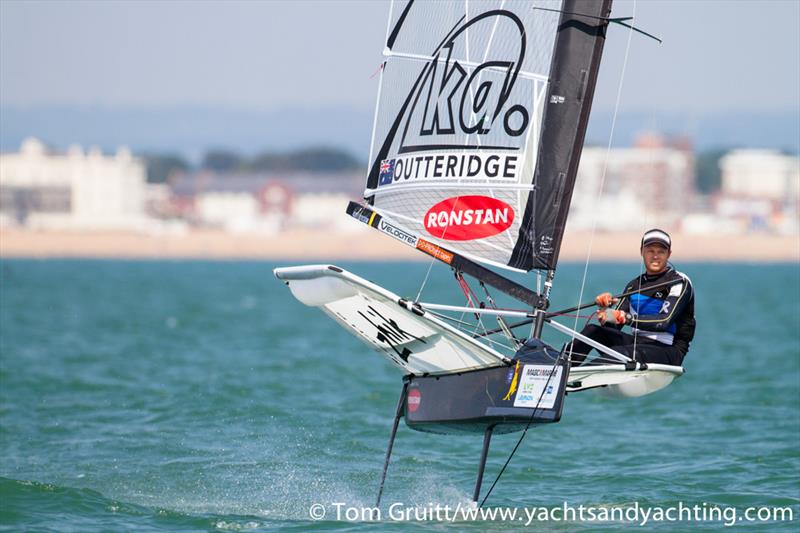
<point>419,343</point>
<point>617,382</point>
<point>415,341</point>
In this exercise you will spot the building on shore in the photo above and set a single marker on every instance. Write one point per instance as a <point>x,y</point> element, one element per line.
<point>41,189</point>
<point>649,184</point>
<point>266,202</point>
<point>760,191</point>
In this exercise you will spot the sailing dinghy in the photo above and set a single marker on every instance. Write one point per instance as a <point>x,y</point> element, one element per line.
<point>480,122</point>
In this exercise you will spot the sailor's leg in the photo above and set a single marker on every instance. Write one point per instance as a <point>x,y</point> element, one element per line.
<point>647,352</point>
<point>578,348</point>
<point>604,335</point>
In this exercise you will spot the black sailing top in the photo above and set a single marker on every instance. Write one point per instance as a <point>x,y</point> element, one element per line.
<point>663,314</point>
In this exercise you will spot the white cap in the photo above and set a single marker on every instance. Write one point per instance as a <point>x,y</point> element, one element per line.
<point>657,236</point>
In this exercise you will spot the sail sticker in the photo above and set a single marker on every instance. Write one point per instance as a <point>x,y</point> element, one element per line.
<point>485,98</point>
<point>387,172</point>
<point>443,168</point>
<point>414,400</point>
<point>397,233</point>
<point>466,218</point>
<point>538,387</point>
<point>447,99</point>
<point>361,213</point>
<point>513,378</point>
<point>431,249</point>
<point>389,332</point>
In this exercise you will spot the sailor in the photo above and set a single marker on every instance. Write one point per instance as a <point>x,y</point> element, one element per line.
<point>661,318</point>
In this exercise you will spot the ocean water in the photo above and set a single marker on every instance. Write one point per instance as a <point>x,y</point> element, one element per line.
<point>200,396</point>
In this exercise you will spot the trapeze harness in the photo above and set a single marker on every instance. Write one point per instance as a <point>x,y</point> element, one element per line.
<point>661,319</point>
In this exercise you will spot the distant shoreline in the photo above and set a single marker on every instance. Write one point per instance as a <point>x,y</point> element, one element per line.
<point>327,245</point>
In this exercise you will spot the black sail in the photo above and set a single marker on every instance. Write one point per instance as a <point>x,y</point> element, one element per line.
<point>579,48</point>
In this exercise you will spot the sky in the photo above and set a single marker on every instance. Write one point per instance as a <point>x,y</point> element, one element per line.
<point>716,55</point>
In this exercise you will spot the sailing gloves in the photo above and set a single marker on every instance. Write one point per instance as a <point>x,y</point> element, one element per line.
<point>604,301</point>
<point>612,315</point>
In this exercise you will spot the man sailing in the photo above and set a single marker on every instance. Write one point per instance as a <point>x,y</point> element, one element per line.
<point>660,311</point>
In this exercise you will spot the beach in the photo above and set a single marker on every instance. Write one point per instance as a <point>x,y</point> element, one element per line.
<point>319,245</point>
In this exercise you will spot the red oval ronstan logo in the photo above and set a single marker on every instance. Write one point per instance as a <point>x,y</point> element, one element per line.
<point>465,218</point>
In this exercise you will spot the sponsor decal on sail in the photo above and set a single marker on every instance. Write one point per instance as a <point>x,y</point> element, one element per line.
<point>362,214</point>
<point>483,111</point>
<point>441,168</point>
<point>466,218</point>
<point>434,251</point>
<point>397,233</point>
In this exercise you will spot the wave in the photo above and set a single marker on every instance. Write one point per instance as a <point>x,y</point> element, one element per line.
<point>32,505</point>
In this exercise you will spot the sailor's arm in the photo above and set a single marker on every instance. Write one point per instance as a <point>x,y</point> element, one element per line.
<point>671,309</point>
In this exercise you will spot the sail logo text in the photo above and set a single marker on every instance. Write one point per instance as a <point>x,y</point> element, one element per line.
<point>545,372</point>
<point>397,233</point>
<point>465,218</point>
<point>456,102</point>
<point>454,96</point>
<point>448,166</point>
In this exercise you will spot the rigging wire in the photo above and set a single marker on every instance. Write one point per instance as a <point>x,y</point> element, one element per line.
<point>651,157</point>
<point>425,279</point>
<point>524,431</point>
<point>433,258</point>
<point>466,140</point>
<point>586,266</point>
<point>605,170</point>
<point>469,327</point>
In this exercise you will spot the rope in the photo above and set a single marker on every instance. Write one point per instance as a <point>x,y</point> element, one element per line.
<point>377,70</point>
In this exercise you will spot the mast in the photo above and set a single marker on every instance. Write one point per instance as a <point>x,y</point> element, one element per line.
<point>579,49</point>
<point>541,314</point>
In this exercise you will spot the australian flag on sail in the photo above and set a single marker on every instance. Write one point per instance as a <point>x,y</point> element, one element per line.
<point>386,172</point>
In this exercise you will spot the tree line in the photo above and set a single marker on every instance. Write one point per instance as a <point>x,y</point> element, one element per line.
<point>223,161</point>
<point>324,159</point>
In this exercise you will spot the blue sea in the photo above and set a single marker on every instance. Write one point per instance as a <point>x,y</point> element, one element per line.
<point>200,396</point>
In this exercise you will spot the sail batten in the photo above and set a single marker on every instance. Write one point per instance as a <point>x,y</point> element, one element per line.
<point>463,131</point>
